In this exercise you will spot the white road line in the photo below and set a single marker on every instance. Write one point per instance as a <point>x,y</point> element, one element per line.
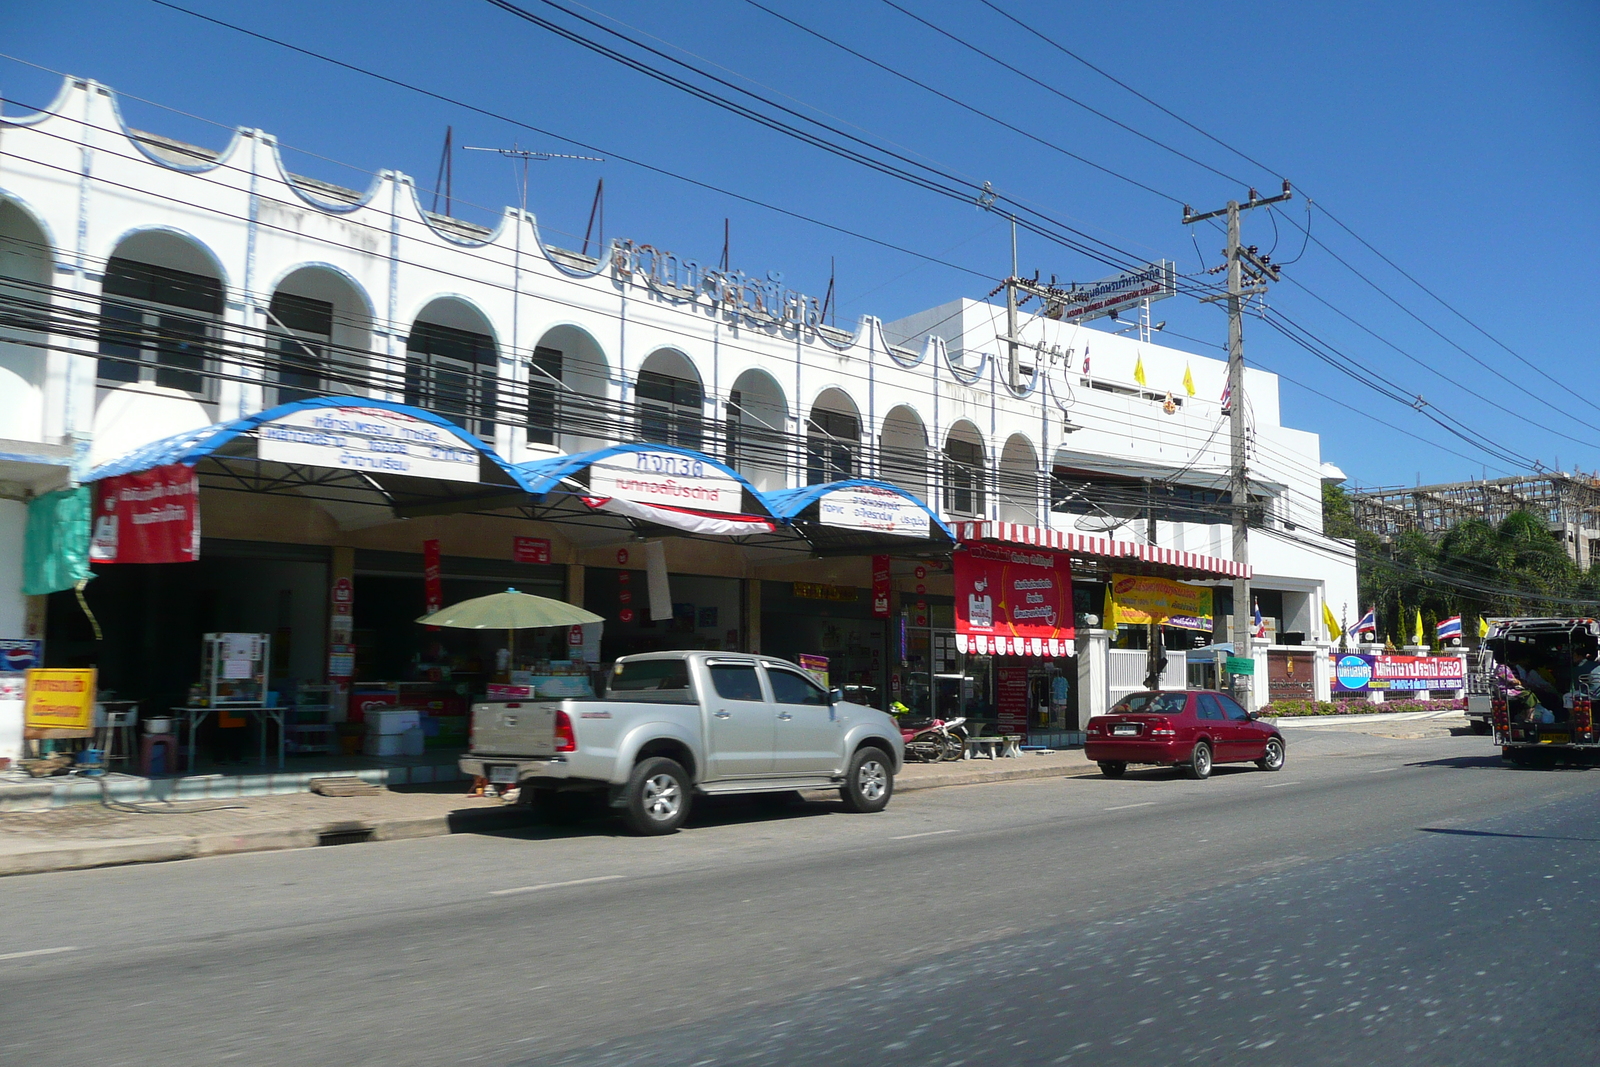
<point>555,885</point>
<point>925,833</point>
<point>37,952</point>
<point>1125,807</point>
<point>1383,770</point>
<point>1279,785</point>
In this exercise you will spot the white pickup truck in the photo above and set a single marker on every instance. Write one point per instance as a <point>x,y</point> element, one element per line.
<point>674,724</point>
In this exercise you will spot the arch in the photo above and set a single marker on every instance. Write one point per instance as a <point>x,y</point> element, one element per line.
<point>903,450</point>
<point>162,299</point>
<point>568,391</point>
<point>319,334</point>
<point>966,471</point>
<point>1017,482</point>
<point>833,438</point>
<point>453,364</point>
<point>26,262</point>
<point>756,430</point>
<point>670,400</point>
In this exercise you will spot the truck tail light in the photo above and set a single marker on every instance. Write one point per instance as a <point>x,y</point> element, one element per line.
<point>1497,714</point>
<point>1582,716</point>
<point>566,740</point>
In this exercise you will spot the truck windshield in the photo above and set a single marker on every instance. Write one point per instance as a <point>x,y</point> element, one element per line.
<point>651,679</point>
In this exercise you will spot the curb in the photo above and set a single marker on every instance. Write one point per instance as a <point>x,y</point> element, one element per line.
<point>85,855</point>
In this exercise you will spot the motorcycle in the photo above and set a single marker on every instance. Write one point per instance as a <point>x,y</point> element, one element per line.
<point>935,740</point>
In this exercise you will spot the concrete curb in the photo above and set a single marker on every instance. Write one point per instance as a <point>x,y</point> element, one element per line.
<point>83,855</point>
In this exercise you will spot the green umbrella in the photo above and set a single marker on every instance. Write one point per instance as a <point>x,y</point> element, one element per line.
<point>509,611</point>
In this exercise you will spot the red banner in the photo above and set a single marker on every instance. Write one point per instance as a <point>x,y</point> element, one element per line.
<point>432,588</point>
<point>530,549</point>
<point>880,587</point>
<point>1013,601</point>
<point>152,516</point>
<point>1011,699</point>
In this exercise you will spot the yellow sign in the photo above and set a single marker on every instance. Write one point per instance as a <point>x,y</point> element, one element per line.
<point>58,699</point>
<point>819,591</point>
<point>1138,600</point>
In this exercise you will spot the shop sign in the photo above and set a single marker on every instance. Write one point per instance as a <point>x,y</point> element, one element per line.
<point>1137,600</point>
<point>819,591</point>
<point>1360,672</point>
<point>531,549</point>
<point>370,440</point>
<point>1239,665</point>
<point>1289,675</point>
<point>344,595</point>
<point>881,585</point>
<point>1011,699</point>
<point>59,699</point>
<point>20,654</point>
<point>666,479</point>
<point>149,516</point>
<point>432,587</point>
<point>341,661</point>
<point>1013,601</point>
<point>816,666</point>
<point>622,561</point>
<point>1108,296</point>
<point>866,507</point>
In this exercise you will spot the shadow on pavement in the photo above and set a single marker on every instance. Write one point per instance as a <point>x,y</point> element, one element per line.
<point>1491,833</point>
<point>588,817</point>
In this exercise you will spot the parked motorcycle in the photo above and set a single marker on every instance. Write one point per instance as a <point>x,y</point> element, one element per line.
<point>935,740</point>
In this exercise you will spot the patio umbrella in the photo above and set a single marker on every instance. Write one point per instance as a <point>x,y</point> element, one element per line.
<point>509,611</point>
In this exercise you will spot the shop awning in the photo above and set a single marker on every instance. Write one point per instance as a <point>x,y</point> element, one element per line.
<point>650,488</point>
<point>340,450</point>
<point>1128,556</point>
<point>858,515</point>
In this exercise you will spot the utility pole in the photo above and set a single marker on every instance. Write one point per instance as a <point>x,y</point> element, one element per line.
<point>1261,270</point>
<point>1153,664</point>
<point>1013,363</point>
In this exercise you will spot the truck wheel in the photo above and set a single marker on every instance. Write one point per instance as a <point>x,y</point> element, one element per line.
<point>869,783</point>
<point>656,798</point>
<point>1199,762</point>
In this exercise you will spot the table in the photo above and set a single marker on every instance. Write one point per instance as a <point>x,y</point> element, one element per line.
<point>1002,745</point>
<point>193,717</point>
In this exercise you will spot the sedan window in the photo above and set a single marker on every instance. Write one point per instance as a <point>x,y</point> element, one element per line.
<point>1152,704</point>
<point>736,681</point>
<point>1235,712</point>
<point>1208,708</point>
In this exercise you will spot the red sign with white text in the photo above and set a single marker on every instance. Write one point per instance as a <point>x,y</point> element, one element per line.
<point>432,586</point>
<point>1011,699</point>
<point>151,516</point>
<point>880,587</point>
<point>531,550</point>
<point>1013,600</point>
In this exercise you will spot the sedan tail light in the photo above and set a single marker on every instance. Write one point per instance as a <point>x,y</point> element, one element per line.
<point>1162,728</point>
<point>566,740</point>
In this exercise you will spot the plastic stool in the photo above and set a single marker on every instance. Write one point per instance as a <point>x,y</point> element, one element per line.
<point>159,755</point>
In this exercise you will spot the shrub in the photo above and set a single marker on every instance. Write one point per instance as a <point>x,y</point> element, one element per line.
<point>1292,708</point>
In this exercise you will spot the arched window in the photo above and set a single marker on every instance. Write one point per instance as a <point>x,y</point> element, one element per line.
<point>965,471</point>
<point>833,439</point>
<point>670,400</point>
<point>319,336</point>
<point>161,302</point>
<point>567,391</point>
<point>452,366</point>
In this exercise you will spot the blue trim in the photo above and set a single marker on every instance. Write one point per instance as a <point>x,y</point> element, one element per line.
<point>191,446</point>
<point>787,503</point>
<point>540,476</point>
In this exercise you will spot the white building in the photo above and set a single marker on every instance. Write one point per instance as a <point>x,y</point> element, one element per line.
<point>153,287</point>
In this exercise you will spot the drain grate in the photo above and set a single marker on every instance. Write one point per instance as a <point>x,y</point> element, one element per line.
<point>350,836</point>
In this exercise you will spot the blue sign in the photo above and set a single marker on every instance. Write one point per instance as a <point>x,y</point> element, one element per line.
<point>20,654</point>
<point>1353,672</point>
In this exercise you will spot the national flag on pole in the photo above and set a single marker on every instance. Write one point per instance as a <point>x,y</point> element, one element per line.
<point>1483,627</point>
<point>1227,397</point>
<point>1261,625</point>
<point>1188,380</point>
<point>1138,370</point>
<point>1334,632</point>
<point>1449,628</point>
<point>1368,623</point>
<point>1086,360</point>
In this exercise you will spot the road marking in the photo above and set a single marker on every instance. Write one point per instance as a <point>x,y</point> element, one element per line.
<point>555,885</point>
<point>925,833</point>
<point>37,952</point>
<point>1383,770</point>
<point>1279,785</point>
<point>1125,807</point>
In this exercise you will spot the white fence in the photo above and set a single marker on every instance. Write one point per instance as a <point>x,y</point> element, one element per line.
<point>1125,669</point>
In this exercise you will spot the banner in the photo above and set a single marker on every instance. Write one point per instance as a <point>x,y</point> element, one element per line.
<point>666,479</point>
<point>866,507</point>
<point>1360,672</point>
<point>59,699</point>
<point>880,587</point>
<point>151,516</point>
<point>371,440</point>
<point>1011,699</point>
<point>432,587</point>
<point>1013,601</point>
<point>1138,600</point>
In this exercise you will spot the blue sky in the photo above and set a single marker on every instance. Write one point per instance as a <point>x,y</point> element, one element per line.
<point>1458,139</point>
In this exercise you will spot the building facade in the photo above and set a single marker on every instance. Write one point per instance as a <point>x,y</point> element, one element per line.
<point>152,288</point>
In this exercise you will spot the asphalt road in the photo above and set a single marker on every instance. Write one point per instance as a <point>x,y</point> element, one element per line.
<point>1377,901</point>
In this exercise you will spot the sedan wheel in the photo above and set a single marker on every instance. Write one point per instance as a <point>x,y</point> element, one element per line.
<point>1272,759</point>
<point>1200,762</point>
<point>1113,768</point>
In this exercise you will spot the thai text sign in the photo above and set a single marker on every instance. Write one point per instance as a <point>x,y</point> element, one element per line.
<point>150,516</point>
<point>1291,675</point>
<point>1013,601</point>
<point>1011,699</point>
<point>370,440</point>
<point>666,479</point>
<point>881,586</point>
<point>57,699</point>
<point>1154,281</point>
<point>1359,672</point>
<point>1137,600</point>
<point>866,507</point>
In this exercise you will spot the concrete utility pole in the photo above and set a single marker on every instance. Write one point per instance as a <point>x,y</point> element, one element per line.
<point>1261,270</point>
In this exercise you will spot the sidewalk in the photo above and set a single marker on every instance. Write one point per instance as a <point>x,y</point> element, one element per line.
<point>93,835</point>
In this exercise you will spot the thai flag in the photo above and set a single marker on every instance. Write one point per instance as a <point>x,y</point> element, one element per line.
<point>1227,396</point>
<point>1261,626</point>
<point>1368,623</point>
<point>1449,628</point>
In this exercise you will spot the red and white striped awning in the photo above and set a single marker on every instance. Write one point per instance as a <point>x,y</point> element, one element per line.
<point>1105,547</point>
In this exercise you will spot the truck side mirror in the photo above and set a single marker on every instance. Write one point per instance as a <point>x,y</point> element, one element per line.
<point>836,696</point>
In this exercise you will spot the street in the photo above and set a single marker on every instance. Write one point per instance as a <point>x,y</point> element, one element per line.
<point>1379,900</point>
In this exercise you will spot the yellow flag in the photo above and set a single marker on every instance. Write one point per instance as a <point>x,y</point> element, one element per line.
<point>1417,638</point>
<point>1109,621</point>
<point>1483,627</point>
<point>1334,630</point>
<point>1138,370</point>
<point>1188,380</point>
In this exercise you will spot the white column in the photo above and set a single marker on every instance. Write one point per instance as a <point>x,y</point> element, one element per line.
<point>1094,678</point>
<point>13,616</point>
<point>1259,688</point>
<point>1322,672</point>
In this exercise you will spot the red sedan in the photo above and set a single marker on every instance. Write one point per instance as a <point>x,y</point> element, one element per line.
<point>1191,730</point>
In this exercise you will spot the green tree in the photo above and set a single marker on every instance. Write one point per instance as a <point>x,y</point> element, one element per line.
<point>1337,518</point>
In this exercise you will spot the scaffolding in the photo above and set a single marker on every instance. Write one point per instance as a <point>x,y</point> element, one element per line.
<point>1569,504</point>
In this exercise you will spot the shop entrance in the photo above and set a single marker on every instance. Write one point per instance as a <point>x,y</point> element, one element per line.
<point>836,623</point>
<point>706,613</point>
